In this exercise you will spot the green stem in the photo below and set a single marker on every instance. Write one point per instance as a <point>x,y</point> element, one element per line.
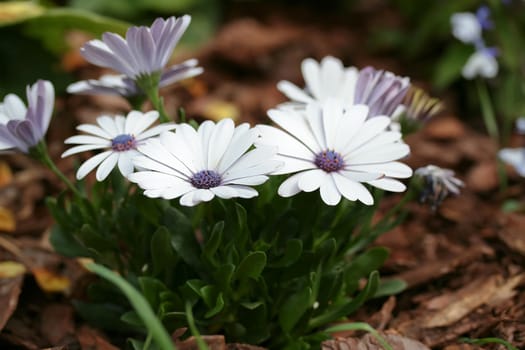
<point>487,111</point>
<point>40,153</point>
<point>194,331</point>
<point>147,342</point>
<point>158,104</point>
<point>150,85</point>
<point>141,306</point>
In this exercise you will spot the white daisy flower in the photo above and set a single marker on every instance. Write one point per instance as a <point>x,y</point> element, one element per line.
<point>335,149</point>
<point>119,137</point>
<point>327,79</point>
<point>197,165</point>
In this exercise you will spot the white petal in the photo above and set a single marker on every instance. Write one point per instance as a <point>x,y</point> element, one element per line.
<point>312,76</point>
<point>329,193</point>
<point>137,122</point>
<point>242,139</point>
<point>125,165</point>
<point>109,125</point>
<point>381,141</point>
<point>287,144</point>
<point>156,149</point>
<point>350,126</point>
<point>311,180</point>
<point>295,124</point>
<point>388,184</point>
<point>259,169</point>
<point>332,115</point>
<point>156,130</point>
<point>289,187</point>
<point>314,117</point>
<point>225,192</point>
<point>219,142</point>
<point>390,169</point>
<point>361,176</point>
<point>514,157</point>
<point>147,163</point>
<point>248,181</point>
<point>91,164</point>
<point>293,92</point>
<point>187,143</point>
<point>393,152</point>
<point>292,165</point>
<point>14,107</point>
<point>81,148</point>
<point>87,139</point>
<point>332,73</point>
<point>106,166</point>
<point>352,190</point>
<point>370,129</point>
<point>253,158</point>
<point>244,191</point>
<point>95,130</point>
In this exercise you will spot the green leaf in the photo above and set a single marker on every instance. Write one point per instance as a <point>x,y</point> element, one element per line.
<point>53,24</point>
<point>151,290</point>
<point>162,254</point>
<point>213,243</point>
<point>183,237</point>
<point>132,318</point>
<point>292,252</point>
<point>390,287</point>
<point>449,67</point>
<point>251,266</point>
<point>293,309</point>
<point>363,265</point>
<point>66,244</point>
<point>338,311</point>
<point>219,305</point>
<point>103,315</point>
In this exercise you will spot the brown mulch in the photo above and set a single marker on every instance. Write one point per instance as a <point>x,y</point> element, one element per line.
<point>463,264</point>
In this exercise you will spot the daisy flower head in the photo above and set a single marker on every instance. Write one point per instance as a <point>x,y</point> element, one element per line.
<point>23,127</point>
<point>119,84</point>
<point>335,149</point>
<point>119,137</point>
<point>197,165</point>
<point>381,91</point>
<point>325,79</point>
<point>143,52</point>
<point>438,184</point>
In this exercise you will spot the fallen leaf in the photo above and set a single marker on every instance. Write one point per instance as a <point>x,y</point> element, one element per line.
<point>58,324</point>
<point>214,342</point>
<point>6,175</point>
<point>7,220</point>
<point>9,292</point>
<point>446,127</point>
<point>455,306</point>
<point>9,269</point>
<point>368,342</point>
<point>91,339</point>
<point>512,233</point>
<point>51,282</point>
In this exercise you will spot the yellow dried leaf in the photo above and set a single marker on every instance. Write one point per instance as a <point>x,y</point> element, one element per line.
<point>9,269</point>
<point>49,281</point>
<point>6,175</point>
<point>217,110</point>
<point>7,220</point>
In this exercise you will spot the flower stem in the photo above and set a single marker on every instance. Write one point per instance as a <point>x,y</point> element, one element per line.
<point>150,85</point>
<point>487,111</point>
<point>40,153</point>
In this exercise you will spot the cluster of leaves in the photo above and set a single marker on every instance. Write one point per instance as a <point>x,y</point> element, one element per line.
<point>276,277</point>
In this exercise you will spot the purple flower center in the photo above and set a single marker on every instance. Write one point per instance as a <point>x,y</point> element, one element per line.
<point>205,179</point>
<point>329,161</point>
<point>123,143</point>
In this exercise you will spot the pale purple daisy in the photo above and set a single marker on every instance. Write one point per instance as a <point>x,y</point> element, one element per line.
<point>112,84</point>
<point>197,165</point>
<point>381,91</point>
<point>145,50</point>
<point>481,63</point>
<point>336,149</point>
<point>466,27</point>
<point>327,79</point>
<point>438,184</point>
<point>119,137</point>
<point>24,127</point>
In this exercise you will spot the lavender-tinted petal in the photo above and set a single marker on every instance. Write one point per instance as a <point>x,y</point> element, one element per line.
<point>23,131</point>
<point>8,140</point>
<point>179,72</point>
<point>99,54</point>
<point>169,39</point>
<point>142,47</point>
<point>121,50</point>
